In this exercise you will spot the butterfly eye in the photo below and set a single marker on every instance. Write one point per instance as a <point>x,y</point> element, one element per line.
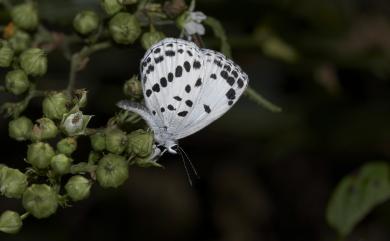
<point>175,148</point>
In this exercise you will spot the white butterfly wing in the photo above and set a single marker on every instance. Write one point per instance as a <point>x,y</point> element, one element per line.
<point>223,82</point>
<point>187,88</point>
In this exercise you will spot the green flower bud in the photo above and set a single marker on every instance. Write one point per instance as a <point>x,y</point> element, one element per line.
<point>39,155</point>
<point>13,183</point>
<point>55,105</point>
<point>10,222</point>
<point>93,157</point>
<point>116,140</point>
<point>16,82</point>
<point>111,7</point>
<point>43,130</point>
<point>78,188</point>
<point>25,16</point>
<point>98,141</point>
<point>40,200</point>
<point>20,128</point>
<point>140,143</point>
<point>150,38</point>
<point>133,88</point>
<point>75,124</point>
<point>20,40</point>
<point>86,22</point>
<point>61,164</point>
<point>6,54</point>
<point>67,146</point>
<point>112,171</point>
<point>34,62</point>
<point>124,28</point>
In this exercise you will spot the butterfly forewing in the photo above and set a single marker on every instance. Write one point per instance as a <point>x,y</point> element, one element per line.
<point>187,88</point>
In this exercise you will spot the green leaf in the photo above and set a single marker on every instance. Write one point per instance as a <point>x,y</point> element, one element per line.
<point>219,32</point>
<point>356,195</point>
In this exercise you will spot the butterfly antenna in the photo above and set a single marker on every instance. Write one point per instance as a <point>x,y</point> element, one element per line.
<point>185,166</point>
<point>191,164</point>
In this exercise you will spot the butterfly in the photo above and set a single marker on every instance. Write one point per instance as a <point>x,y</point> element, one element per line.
<point>185,89</point>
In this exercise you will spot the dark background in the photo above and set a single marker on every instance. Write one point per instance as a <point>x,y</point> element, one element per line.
<point>264,176</point>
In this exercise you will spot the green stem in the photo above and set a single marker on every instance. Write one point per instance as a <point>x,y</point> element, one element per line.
<point>77,59</point>
<point>25,215</point>
<point>83,167</point>
<point>260,100</point>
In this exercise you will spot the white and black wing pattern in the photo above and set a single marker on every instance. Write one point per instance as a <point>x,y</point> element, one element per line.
<point>187,88</point>
<point>223,82</point>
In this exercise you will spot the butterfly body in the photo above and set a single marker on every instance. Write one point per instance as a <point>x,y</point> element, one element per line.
<point>185,89</point>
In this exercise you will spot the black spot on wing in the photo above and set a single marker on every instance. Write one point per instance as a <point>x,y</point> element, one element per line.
<point>150,69</point>
<point>189,53</point>
<point>230,102</point>
<point>231,94</point>
<point>187,66</point>
<point>189,103</point>
<point>163,82</point>
<point>154,112</point>
<point>218,63</point>
<point>230,80</point>
<point>156,88</point>
<point>227,67</point>
<point>170,107</point>
<point>196,64</point>
<point>188,88</point>
<point>224,74</point>
<point>207,108</point>
<point>198,82</point>
<point>162,109</point>
<point>240,83</point>
<point>170,77</point>
<point>157,50</point>
<point>180,51</point>
<point>183,113</point>
<point>235,74</point>
<point>148,92</point>
<point>178,71</point>
<point>170,45</point>
<point>159,59</point>
<point>213,76</point>
<point>170,53</point>
<point>178,98</point>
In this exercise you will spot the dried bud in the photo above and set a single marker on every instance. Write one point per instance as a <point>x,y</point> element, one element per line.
<point>20,40</point>
<point>150,38</point>
<point>16,82</point>
<point>80,99</point>
<point>174,8</point>
<point>112,171</point>
<point>75,124</point>
<point>10,222</point>
<point>140,143</point>
<point>98,141</point>
<point>78,188</point>
<point>133,88</point>
<point>55,105</point>
<point>6,54</point>
<point>13,183</point>
<point>34,62</point>
<point>116,140</point>
<point>67,146</point>
<point>124,28</point>
<point>61,164</point>
<point>86,22</point>
<point>20,128</point>
<point>39,155</point>
<point>25,16</point>
<point>40,200</point>
<point>43,130</point>
<point>111,6</point>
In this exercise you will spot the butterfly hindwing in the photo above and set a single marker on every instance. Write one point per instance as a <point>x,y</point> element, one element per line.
<point>186,88</point>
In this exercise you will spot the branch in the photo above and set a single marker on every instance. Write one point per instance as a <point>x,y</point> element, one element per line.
<point>77,60</point>
<point>260,100</point>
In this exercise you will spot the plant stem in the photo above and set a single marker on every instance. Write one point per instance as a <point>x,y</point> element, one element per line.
<point>77,60</point>
<point>25,215</point>
<point>260,100</point>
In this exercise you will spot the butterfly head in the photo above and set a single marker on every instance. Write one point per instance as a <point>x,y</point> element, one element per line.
<point>172,147</point>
